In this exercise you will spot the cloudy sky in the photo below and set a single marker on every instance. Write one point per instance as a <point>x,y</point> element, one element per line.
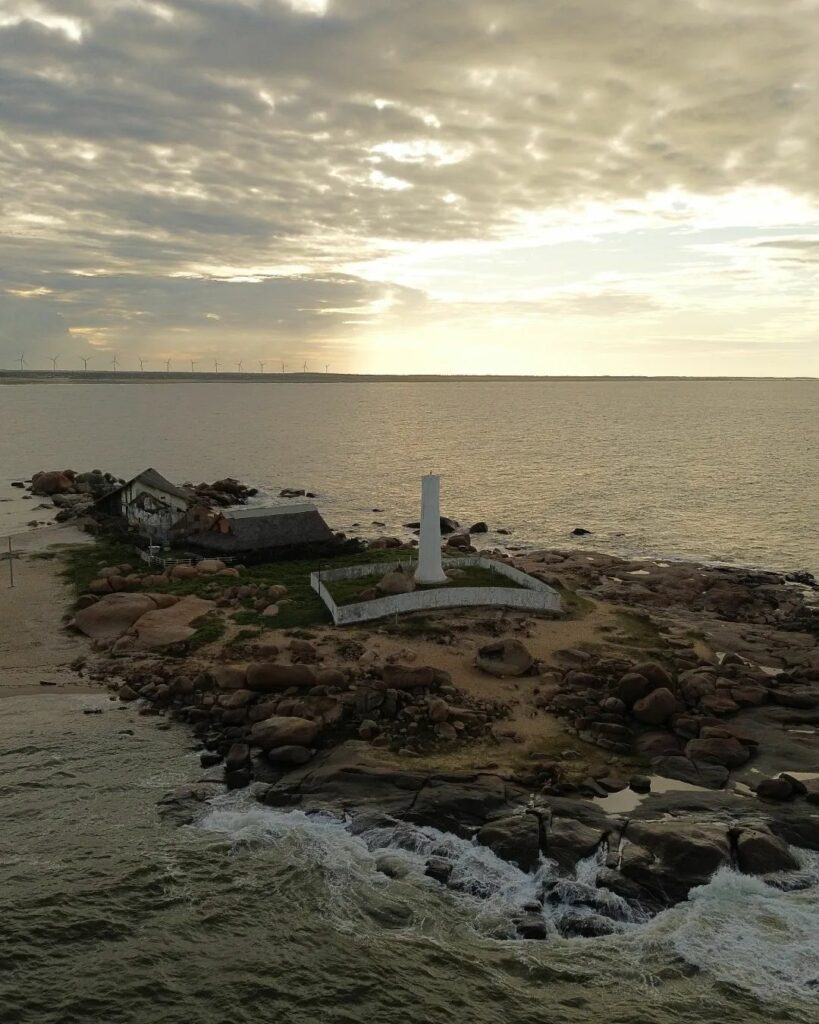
<point>438,186</point>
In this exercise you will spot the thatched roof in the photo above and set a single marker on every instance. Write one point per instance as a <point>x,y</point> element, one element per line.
<point>259,527</point>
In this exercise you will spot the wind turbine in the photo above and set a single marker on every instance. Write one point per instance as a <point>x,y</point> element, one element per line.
<point>53,361</point>
<point>141,365</point>
<point>193,363</point>
<point>304,368</point>
<point>326,367</point>
<point>85,361</point>
<point>261,366</point>
<point>114,363</point>
<point>216,365</point>
<point>239,366</point>
<point>284,366</point>
<point>22,360</point>
<point>167,366</point>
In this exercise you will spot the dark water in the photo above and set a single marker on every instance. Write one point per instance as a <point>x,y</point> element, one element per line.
<point>714,470</point>
<point>110,913</point>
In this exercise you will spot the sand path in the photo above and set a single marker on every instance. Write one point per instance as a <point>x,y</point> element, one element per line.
<point>34,646</point>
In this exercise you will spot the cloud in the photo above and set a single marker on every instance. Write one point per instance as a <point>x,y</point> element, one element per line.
<point>145,143</point>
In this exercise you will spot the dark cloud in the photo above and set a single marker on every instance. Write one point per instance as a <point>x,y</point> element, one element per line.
<point>147,139</point>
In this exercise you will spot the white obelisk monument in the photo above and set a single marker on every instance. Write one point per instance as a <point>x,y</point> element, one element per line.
<point>430,569</point>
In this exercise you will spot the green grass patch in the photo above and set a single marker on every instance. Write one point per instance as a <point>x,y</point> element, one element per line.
<point>349,591</point>
<point>247,634</point>
<point>84,561</point>
<point>209,629</point>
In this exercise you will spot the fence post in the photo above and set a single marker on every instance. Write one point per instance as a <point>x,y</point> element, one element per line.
<point>11,566</point>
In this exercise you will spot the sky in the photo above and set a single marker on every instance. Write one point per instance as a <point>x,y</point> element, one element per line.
<point>411,186</point>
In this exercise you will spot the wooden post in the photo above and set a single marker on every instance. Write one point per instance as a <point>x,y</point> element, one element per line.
<point>11,566</point>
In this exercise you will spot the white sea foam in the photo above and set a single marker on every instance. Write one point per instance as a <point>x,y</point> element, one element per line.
<point>748,934</point>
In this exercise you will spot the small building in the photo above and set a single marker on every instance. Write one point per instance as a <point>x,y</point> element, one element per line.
<point>260,528</point>
<point>149,502</point>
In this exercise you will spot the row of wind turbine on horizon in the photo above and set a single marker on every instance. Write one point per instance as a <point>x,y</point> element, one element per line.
<point>116,365</point>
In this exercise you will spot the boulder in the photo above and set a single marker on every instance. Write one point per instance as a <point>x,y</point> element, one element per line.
<point>113,615</point>
<point>283,731</point>
<point>166,626</point>
<point>633,687</point>
<point>183,572</point>
<point>210,566</point>
<point>54,482</point>
<point>480,527</point>
<point>228,677</point>
<point>268,677</point>
<point>458,804</point>
<point>515,838</point>
<point>758,852</point>
<point>396,583</point>
<point>774,790</point>
<point>725,751</point>
<point>671,857</point>
<point>568,841</point>
<point>403,677</point>
<point>504,658</point>
<point>237,758</point>
<point>696,773</point>
<point>656,707</point>
<point>654,673</point>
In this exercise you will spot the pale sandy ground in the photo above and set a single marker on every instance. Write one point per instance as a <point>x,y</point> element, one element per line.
<point>34,646</point>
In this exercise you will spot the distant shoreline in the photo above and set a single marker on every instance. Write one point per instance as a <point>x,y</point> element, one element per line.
<point>176,377</point>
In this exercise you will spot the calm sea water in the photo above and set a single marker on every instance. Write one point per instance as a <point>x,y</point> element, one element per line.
<point>109,913</point>
<point>715,470</point>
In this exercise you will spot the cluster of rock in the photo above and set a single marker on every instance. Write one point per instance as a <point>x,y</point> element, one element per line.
<point>222,493</point>
<point>114,579</point>
<point>676,714</point>
<point>74,494</point>
<point>130,621</point>
<point>722,592</point>
<point>647,860</point>
<point>288,711</point>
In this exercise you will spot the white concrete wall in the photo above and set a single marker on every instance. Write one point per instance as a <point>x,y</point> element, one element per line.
<point>537,596</point>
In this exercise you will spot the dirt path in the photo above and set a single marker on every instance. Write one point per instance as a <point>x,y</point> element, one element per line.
<point>34,646</point>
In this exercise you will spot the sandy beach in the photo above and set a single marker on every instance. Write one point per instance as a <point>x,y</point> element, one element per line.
<point>34,646</point>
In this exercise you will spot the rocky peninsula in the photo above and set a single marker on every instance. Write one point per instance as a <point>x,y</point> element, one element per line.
<point>665,726</point>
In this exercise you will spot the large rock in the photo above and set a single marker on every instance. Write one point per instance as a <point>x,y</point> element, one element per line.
<point>671,857</point>
<point>396,583</point>
<point>568,841</point>
<point>759,852</point>
<point>281,731</point>
<point>268,677</point>
<point>402,677</point>
<point>228,677</point>
<point>725,751</point>
<point>113,615</point>
<point>656,707</point>
<point>696,773</point>
<point>515,838</point>
<point>166,626</point>
<point>54,482</point>
<point>210,566</point>
<point>504,658</point>
<point>459,803</point>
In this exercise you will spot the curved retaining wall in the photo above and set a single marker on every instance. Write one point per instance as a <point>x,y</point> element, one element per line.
<point>537,596</point>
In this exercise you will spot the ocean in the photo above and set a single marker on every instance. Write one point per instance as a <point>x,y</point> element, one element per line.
<point>724,471</point>
<point>111,913</point>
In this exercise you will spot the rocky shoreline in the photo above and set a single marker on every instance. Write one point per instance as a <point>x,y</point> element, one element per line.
<point>323,723</point>
<point>666,727</point>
